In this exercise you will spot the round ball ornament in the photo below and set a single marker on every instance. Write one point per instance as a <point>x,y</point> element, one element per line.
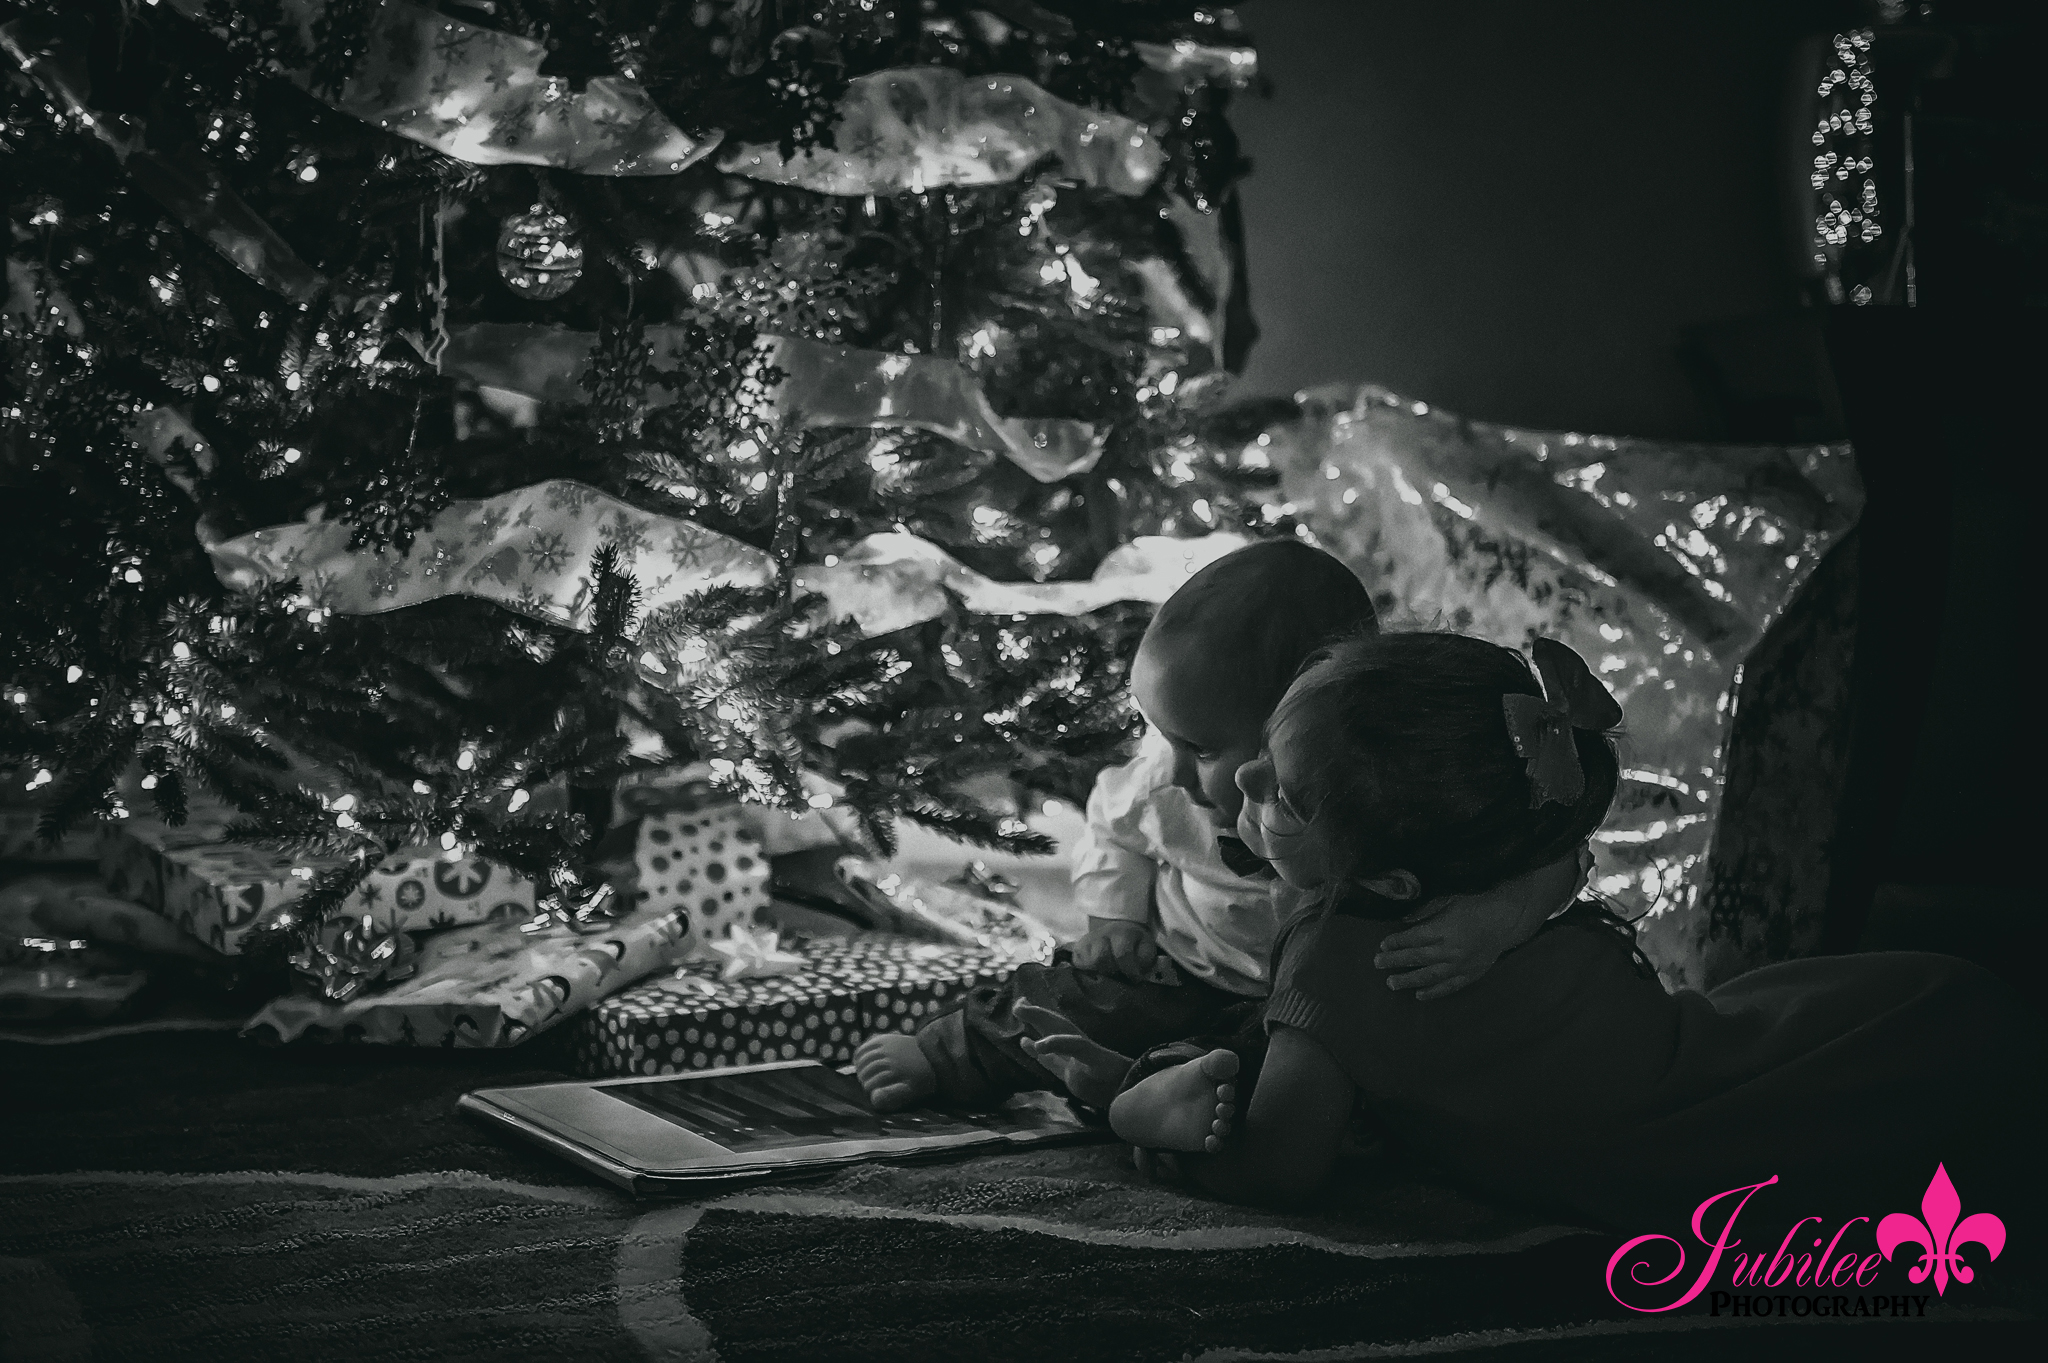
<point>539,254</point>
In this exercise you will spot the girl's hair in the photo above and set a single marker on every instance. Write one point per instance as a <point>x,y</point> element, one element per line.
<point>1415,769</point>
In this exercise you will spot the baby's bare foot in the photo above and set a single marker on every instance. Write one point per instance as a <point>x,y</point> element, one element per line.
<point>894,1072</point>
<point>1188,1107</point>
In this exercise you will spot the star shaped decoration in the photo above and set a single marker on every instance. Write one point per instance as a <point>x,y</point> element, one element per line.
<point>628,534</point>
<point>686,549</point>
<point>320,589</point>
<point>868,145</point>
<point>568,496</point>
<point>387,577</point>
<point>512,124</point>
<point>489,522</point>
<point>498,75</point>
<point>548,553</point>
<point>451,44</point>
<point>439,556</point>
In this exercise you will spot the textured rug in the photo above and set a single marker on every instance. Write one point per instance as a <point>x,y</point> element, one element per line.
<point>187,1196</point>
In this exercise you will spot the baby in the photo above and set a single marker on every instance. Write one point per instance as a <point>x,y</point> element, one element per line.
<point>1402,766</point>
<point>1182,917</point>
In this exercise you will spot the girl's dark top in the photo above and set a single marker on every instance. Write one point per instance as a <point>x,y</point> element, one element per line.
<point>1567,1078</point>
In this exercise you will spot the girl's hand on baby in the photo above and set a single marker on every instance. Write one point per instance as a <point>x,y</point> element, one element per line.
<point>1454,940</point>
<point>1440,954</point>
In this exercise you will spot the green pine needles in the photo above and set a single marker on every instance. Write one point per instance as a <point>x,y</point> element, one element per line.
<point>228,300</point>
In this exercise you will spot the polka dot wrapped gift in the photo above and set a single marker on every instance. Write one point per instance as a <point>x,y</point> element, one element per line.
<point>694,851</point>
<point>849,989</point>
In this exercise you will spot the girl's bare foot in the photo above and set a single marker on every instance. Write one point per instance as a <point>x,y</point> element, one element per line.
<point>1188,1107</point>
<point>894,1072</point>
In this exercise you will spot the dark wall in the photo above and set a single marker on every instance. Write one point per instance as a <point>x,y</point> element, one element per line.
<point>1517,210</point>
<point>1587,216</point>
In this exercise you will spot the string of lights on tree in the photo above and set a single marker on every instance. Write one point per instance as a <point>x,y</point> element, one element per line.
<point>282,263</point>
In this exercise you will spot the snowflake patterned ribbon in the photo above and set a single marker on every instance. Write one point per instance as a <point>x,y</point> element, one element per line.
<point>918,128</point>
<point>478,95</point>
<point>530,550</point>
<point>826,385</point>
<point>893,580</point>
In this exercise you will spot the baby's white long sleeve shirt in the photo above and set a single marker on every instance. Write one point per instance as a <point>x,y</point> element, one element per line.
<point>1149,855</point>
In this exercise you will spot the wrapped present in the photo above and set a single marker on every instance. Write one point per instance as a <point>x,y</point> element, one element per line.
<point>848,990</point>
<point>221,891</point>
<point>493,984</point>
<point>74,908</point>
<point>418,889</point>
<point>964,913</point>
<point>901,982</point>
<point>60,990</point>
<point>694,851</point>
<point>51,968</point>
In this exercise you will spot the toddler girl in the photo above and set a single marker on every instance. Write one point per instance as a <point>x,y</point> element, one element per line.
<point>1412,765</point>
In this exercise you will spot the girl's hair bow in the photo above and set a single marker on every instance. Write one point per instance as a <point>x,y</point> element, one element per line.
<point>1541,726</point>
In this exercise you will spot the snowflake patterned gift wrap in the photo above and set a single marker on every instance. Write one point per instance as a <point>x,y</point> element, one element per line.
<point>492,985</point>
<point>221,891</point>
<point>850,989</point>
<point>418,889</point>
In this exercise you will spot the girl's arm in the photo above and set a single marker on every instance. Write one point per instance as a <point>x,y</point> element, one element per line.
<point>1452,941</point>
<point>1286,1145</point>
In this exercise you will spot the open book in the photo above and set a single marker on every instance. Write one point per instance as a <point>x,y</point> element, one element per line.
<point>676,1132</point>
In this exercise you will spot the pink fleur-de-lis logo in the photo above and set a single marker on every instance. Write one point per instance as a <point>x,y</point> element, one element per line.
<point>1939,1236</point>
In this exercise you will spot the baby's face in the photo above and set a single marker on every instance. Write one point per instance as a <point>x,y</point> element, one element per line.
<point>1176,687</point>
<point>1270,819</point>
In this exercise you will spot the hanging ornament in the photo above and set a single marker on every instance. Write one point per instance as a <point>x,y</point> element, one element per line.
<point>540,254</point>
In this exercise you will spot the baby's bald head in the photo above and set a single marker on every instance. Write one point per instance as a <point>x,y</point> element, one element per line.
<point>1222,651</point>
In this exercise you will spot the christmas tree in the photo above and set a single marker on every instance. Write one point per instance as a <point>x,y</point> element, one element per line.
<point>467,400</point>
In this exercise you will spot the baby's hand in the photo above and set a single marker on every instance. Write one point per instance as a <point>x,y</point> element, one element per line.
<point>1116,946</point>
<point>1092,1072</point>
<point>1456,939</point>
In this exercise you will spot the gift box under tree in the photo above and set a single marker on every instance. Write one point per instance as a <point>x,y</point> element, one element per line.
<point>692,850</point>
<point>220,891</point>
<point>490,985</point>
<point>847,990</point>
